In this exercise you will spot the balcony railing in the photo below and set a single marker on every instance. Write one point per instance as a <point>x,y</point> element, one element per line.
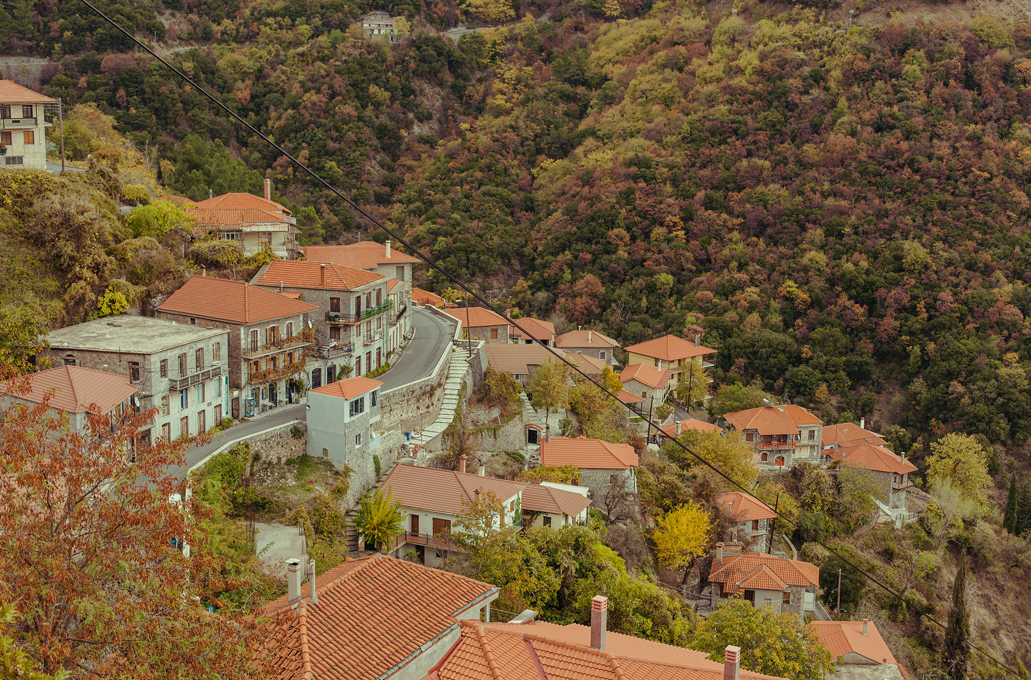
<point>298,340</point>
<point>775,445</point>
<point>901,486</point>
<point>271,374</point>
<point>195,379</point>
<point>374,311</point>
<point>17,122</point>
<point>342,317</point>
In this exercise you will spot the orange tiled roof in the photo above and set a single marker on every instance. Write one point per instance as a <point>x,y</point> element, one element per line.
<point>772,419</point>
<point>535,329</point>
<point>736,568</point>
<point>629,397</point>
<point>361,255</point>
<point>477,317</point>
<point>349,388</point>
<point>669,348</point>
<point>304,274</point>
<point>13,93</point>
<point>743,508</point>
<point>762,578</point>
<point>373,614</point>
<point>425,297</point>
<point>588,364</point>
<point>241,201</point>
<point>232,301</point>
<point>845,434</point>
<point>392,284</point>
<point>870,457</point>
<point>72,388</point>
<point>688,424</point>
<point>647,375</point>
<point>588,454</point>
<point>517,359</point>
<point>537,498</point>
<point>235,217</point>
<point>846,637</point>
<point>584,340</point>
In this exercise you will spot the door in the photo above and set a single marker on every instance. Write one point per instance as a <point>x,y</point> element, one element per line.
<point>235,405</point>
<point>184,426</point>
<point>272,394</point>
<point>379,360</point>
<point>415,525</point>
<point>202,422</point>
<point>441,527</point>
<point>316,378</point>
<point>218,414</point>
<point>531,435</point>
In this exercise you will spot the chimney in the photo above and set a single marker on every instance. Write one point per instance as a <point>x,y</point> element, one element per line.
<point>719,553</point>
<point>462,458</point>
<point>731,663</point>
<point>322,274</point>
<point>864,626</point>
<point>697,339</point>
<point>730,509</point>
<point>388,249</point>
<point>268,190</point>
<point>678,429</point>
<point>482,471</point>
<point>599,619</point>
<point>280,286</point>
<point>590,335</point>
<point>203,271</point>
<point>293,578</point>
<point>311,582</point>
<point>862,423</point>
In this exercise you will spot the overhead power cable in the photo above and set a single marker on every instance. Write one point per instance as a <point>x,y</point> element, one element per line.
<point>488,305</point>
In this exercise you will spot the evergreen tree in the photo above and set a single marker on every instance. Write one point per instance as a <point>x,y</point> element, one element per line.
<point>1009,517</point>
<point>957,636</point>
<point>1023,514</point>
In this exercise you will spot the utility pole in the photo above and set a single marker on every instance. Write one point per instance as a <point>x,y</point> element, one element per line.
<point>769,543</point>
<point>468,330</point>
<point>651,410</point>
<point>60,118</point>
<point>839,594</point>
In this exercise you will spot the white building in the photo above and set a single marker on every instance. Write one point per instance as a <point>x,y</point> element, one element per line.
<point>22,127</point>
<point>341,419</point>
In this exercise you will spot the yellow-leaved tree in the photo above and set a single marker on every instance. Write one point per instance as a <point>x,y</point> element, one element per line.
<point>682,535</point>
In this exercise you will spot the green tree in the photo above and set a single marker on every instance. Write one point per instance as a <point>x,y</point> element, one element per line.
<point>380,518</point>
<point>853,582</point>
<point>955,649</point>
<point>1009,517</point>
<point>738,397</point>
<point>484,529</point>
<point>158,218</point>
<point>680,536</point>
<point>22,338</point>
<point>693,387</point>
<point>728,452</point>
<point>14,663</point>
<point>961,460</point>
<point>1023,523</point>
<point>773,644</point>
<point>549,388</point>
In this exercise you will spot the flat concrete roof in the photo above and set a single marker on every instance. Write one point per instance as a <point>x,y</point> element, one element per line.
<point>129,335</point>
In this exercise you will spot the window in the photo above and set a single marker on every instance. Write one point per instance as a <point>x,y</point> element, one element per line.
<point>193,321</point>
<point>547,520</point>
<point>749,437</point>
<point>379,296</point>
<point>255,368</point>
<point>254,341</point>
<point>164,368</point>
<point>182,365</point>
<point>358,406</point>
<point>368,361</point>
<point>290,358</point>
<point>5,138</point>
<point>379,358</point>
<point>812,435</point>
<point>199,359</point>
<point>358,439</point>
<point>613,480</point>
<point>765,458</point>
<point>200,393</point>
<point>368,328</point>
<point>316,378</point>
<point>368,300</point>
<point>787,598</point>
<point>374,398</point>
<point>15,160</point>
<point>218,413</point>
<point>358,365</point>
<point>166,431</point>
<point>30,136</point>
<point>379,322</point>
<point>184,426</point>
<point>164,404</point>
<point>603,354</point>
<point>290,330</point>
<point>493,333</point>
<point>334,332</point>
<point>5,111</point>
<point>184,399</point>
<point>325,453</point>
<point>273,363</point>
<point>202,422</point>
<point>399,273</point>
<point>755,525</point>
<point>134,371</point>
<point>768,602</point>
<point>26,110</point>
<point>331,374</point>
<point>357,305</point>
<point>271,335</point>
<point>216,351</point>
<point>511,506</point>
<point>69,360</point>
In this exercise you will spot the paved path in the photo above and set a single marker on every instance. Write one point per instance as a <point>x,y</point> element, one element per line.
<point>433,336</point>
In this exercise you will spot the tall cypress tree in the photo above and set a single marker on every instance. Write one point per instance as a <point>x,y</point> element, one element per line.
<point>1009,516</point>
<point>956,651</point>
<point>1023,521</point>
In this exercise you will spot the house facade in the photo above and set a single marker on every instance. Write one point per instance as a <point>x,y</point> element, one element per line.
<point>252,222</point>
<point>269,344</point>
<point>672,353</point>
<point>651,384</point>
<point>750,519</point>
<point>888,473</point>
<point>181,370</point>
<point>342,419</point>
<point>23,127</point>
<point>74,391</point>
<point>479,323</point>
<point>591,343</point>
<point>519,361</point>
<point>533,331</point>
<point>779,436</point>
<point>608,470</point>
<point>764,580</point>
<point>379,25</point>
<point>860,650</point>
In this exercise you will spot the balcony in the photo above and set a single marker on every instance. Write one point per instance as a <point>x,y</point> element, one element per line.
<point>253,352</point>
<point>775,445</point>
<point>342,318</point>
<point>901,486</point>
<point>195,379</point>
<point>273,374</point>
<point>375,311</point>
<point>375,336</point>
<point>17,123</point>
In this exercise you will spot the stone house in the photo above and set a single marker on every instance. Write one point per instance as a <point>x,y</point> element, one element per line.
<point>23,127</point>
<point>860,650</point>
<point>536,331</point>
<point>750,519</point>
<point>591,343</point>
<point>608,470</point>
<point>780,436</point>
<point>74,391</point>
<point>180,369</point>
<point>764,580</point>
<point>353,319</point>
<point>888,472</point>
<point>672,353</point>
<point>268,340</point>
<point>480,323</point>
<point>653,385</point>
<point>849,434</point>
<point>519,361</point>
<point>252,222</point>
<point>379,24</point>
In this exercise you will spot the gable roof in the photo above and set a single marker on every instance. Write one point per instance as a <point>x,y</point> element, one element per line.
<point>738,569</point>
<point>588,364</point>
<point>772,419</point>
<point>846,434</point>
<point>585,340</point>
<point>72,388</point>
<point>647,375</point>
<point>870,457</point>
<point>241,201</point>
<point>476,317</point>
<point>12,92</point>
<point>743,508</point>
<point>535,329</point>
<point>688,424</point>
<point>232,301</point>
<point>425,297</point>
<point>628,397</point>
<point>762,578</point>
<point>349,388</point>
<point>846,637</point>
<point>305,274</point>
<point>517,359</point>
<point>588,454</point>
<point>669,348</point>
<point>373,615</point>
<point>217,217</point>
<point>539,498</point>
<point>392,284</point>
<point>361,255</point>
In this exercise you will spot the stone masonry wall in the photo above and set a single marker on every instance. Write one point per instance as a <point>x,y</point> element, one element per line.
<point>416,405</point>
<point>279,444</point>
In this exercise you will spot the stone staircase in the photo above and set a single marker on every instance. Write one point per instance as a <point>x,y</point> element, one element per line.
<point>452,386</point>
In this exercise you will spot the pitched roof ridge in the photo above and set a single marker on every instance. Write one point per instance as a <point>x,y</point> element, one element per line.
<point>481,636</point>
<point>366,561</point>
<point>614,665</point>
<point>71,384</point>
<point>302,635</point>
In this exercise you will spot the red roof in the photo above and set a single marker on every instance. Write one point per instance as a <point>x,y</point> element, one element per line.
<point>517,359</point>
<point>647,375</point>
<point>232,301</point>
<point>538,498</point>
<point>302,274</point>
<point>72,388</point>
<point>669,348</point>
<point>849,434</point>
<point>629,397</point>
<point>349,388</point>
<point>373,616</point>
<point>13,93</point>
<point>477,317</point>
<point>425,297</point>
<point>743,508</point>
<point>756,567</point>
<point>772,419</point>
<point>870,457</point>
<point>688,424</point>
<point>847,637</point>
<point>535,329</point>
<point>588,364</point>
<point>241,201</point>
<point>585,340</point>
<point>361,255</point>
<point>588,454</point>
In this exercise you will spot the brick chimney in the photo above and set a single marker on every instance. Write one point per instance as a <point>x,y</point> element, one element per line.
<point>462,460</point>
<point>862,423</point>
<point>294,574</point>
<point>865,621</point>
<point>311,582</point>
<point>322,274</point>
<point>599,619</point>
<point>388,249</point>
<point>268,190</point>
<point>719,553</point>
<point>731,663</point>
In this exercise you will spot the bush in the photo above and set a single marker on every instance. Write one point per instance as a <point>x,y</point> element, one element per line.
<point>376,464</point>
<point>296,432</point>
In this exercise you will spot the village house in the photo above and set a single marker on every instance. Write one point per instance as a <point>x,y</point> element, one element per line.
<point>750,519</point>
<point>888,473</point>
<point>268,342</point>
<point>608,470</point>
<point>74,391</point>
<point>861,652</point>
<point>179,369</point>
<point>379,25</point>
<point>352,321</point>
<point>537,331</point>
<point>591,343</point>
<point>764,580</point>
<point>23,127</point>
<point>677,428</point>
<point>591,366</point>
<point>370,617</point>
<point>849,434</point>
<point>252,222</point>
<point>425,298</point>
<point>341,425</point>
<point>670,352</point>
<point>653,385</point>
<point>519,361</point>
<point>479,323</point>
<point>780,436</point>
<point>382,259</point>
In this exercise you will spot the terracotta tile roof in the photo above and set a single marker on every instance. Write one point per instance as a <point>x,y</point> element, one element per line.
<point>772,419</point>
<point>392,284</point>
<point>477,317</point>
<point>517,359</point>
<point>585,340</point>
<point>535,329</point>
<point>870,457</point>
<point>688,424</point>
<point>588,454</point>
<point>537,498</point>
<point>349,388</point>
<point>361,255</point>
<point>845,434</point>
<point>629,397</point>
<point>647,375</point>
<point>735,568</point>
<point>743,508</point>
<point>302,274</point>
<point>425,297</point>
<point>373,614</point>
<point>239,217</point>
<point>232,301</point>
<point>588,364</point>
<point>241,201</point>
<point>762,578</point>
<point>72,388</point>
<point>669,348</point>
<point>178,200</point>
<point>846,637</point>
<point>13,93</point>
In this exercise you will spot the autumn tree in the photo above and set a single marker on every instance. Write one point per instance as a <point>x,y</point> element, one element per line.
<point>960,459</point>
<point>694,385</point>
<point>548,387</point>
<point>727,452</point>
<point>681,536</point>
<point>738,397</point>
<point>485,531</point>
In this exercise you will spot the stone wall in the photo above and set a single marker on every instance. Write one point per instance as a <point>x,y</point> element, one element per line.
<point>415,405</point>
<point>279,444</point>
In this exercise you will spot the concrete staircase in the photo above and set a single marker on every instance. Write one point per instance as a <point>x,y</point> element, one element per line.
<point>452,386</point>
